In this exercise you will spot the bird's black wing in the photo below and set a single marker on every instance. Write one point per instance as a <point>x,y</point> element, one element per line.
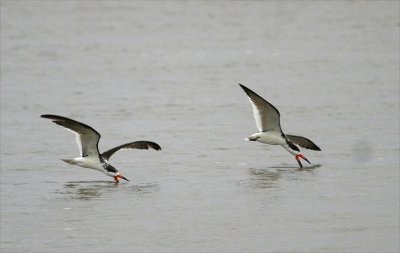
<point>266,115</point>
<point>303,142</point>
<point>86,137</point>
<point>134,145</point>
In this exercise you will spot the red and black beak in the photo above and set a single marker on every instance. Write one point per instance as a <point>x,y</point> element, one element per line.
<point>120,176</point>
<point>298,156</point>
<point>117,177</point>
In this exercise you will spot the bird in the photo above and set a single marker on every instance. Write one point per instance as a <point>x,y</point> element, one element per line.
<point>268,123</point>
<point>87,139</point>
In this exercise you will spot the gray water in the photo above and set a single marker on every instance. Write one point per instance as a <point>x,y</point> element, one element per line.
<point>168,72</point>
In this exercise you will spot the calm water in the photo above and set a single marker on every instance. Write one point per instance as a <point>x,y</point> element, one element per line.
<point>168,72</point>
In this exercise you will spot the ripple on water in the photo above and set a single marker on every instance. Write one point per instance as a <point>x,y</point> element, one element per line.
<point>267,178</point>
<point>90,190</point>
<point>144,188</point>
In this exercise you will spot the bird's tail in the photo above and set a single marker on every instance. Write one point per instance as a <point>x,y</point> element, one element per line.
<point>253,137</point>
<point>69,161</point>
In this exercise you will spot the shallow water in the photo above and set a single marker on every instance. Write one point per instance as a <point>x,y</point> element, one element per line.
<point>168,72</point>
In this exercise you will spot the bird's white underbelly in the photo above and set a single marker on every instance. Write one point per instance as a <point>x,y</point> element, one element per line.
<point>89,162</point>
<point>269,137</point>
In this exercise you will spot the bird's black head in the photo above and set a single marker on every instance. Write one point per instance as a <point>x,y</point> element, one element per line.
<point>113,172</point>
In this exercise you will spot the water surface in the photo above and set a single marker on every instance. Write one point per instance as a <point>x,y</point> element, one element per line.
<point>168,72</point>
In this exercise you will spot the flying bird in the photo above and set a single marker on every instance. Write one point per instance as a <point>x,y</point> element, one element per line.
<point>269,126</point>
<point>88,139</point>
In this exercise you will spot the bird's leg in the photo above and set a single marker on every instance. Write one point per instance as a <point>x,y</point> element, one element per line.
<point>116,179</point>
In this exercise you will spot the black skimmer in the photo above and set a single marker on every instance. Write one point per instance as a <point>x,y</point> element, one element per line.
<point>268,123</point>
<point>88,140</point>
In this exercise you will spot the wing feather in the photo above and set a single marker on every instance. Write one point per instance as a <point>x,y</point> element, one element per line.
<point>303,142</point>
<point>266,115</point>
<point>133,145</point>
<point>86,137</point>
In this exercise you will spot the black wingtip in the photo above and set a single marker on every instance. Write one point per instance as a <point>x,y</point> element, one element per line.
<point>156,146</point>
<point>247,90</point>
<point>241,85</point>
<point>244,88</point>
<point>315,147</point>
<point>52,116</point>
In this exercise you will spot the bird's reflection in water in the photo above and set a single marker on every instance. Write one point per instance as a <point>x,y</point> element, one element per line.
<point>269,177</point>
<point>145,188</point>
<point>309,168</point>
<point>90,190</point>
<point>87,190</point>
<point>88,193</point>
<point>263,178</point>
